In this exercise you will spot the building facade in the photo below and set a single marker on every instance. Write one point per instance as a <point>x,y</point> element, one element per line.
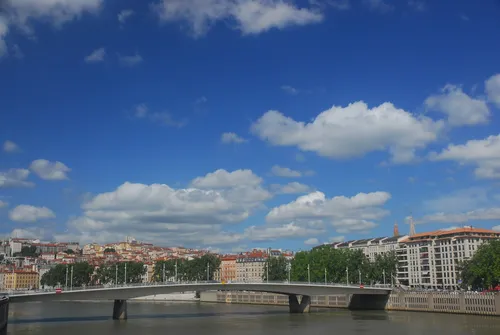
<point>250,267</point>
<point>20,280</point>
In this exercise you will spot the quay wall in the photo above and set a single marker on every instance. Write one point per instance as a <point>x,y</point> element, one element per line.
<point>438,302</point>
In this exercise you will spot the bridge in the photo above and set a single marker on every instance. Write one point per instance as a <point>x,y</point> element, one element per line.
<point>299,294</point>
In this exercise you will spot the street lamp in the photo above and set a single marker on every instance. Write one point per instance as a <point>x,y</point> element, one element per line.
<point>66,286</point>
<point>125,274</point>
<point>359,271</point>
<point>267,272</point>
<point>71,277</point>
<point>325,276</point>
<point>289,270</point>
<point>383,273</point>
<point>163,273</point>
<point>208,271</point>
<point>116,274</point>
<point>176,271</point>
<point>308,273</point>
<point>347,274</point>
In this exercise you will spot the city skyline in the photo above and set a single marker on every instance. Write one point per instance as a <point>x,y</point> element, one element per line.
<point>249,124</point>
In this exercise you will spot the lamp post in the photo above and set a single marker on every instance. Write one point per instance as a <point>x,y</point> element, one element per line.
<point>125,274</point>
<point>383,273</point>
<point>359,271</point>
<point>116,274</point>
<point>308,273</point>
<point>392,279</point>
<point>176,271</point>
<point>163,273</point>
<point>289,271</point>
<point>208,271</point>
<point>325,276</point>
<point>66,286</point>
<point>71,277</point>
<point>267,272</point>
<point>347,274</point>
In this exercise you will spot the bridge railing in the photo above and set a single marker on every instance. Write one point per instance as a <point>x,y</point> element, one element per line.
<point>152,284</point>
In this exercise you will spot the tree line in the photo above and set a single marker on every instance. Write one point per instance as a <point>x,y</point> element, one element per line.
<point>334,265</point>
<point>197,269</point>
<point>483,269</point>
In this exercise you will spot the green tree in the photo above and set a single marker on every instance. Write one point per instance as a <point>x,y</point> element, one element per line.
<point>483,269</point>
<point>109,250</point>
<point>187,270</point>
<point>56,276</point>
<point>277,268</point>
<point>109,273</point>
<point>27,251</point>
<point>69,252</point>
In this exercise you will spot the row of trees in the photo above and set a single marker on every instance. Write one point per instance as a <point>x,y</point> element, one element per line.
<point>336,265</point>
<point>202,268</point>
<point>483,269</point>
<point>82,274</point>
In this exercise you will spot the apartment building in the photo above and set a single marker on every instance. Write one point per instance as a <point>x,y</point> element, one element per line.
<point>372,246</point>
<point>432,259</point>
<point>250,267</point>
<point>19,280</point>
<point>227,269</point>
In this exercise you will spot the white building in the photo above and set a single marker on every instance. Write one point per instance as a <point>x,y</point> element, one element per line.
<point>431,260</point>
<point>250,268</point>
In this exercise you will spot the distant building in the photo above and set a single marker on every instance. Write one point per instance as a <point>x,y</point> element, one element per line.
<point>20,280</point>
<point>250,267</point>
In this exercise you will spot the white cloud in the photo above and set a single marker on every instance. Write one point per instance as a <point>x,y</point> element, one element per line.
<point>460,108</point>
<point>232,138</point>
<point>285,172</point>
<point>379,5</point>
<point>49,170</point>
<point>484,214</point>
<point>96,56</point>
<point>311,241</point>
<point>289,89</point>
<point>336,239</point>
<point>352,131</point>
<point>15,178</point>
<point>124,15</point>
<point>130,60</point>
<point>9,146</point>
<point>141,111</point>
<point>497,228</point>
<point>28,213</point>
<point>3,204</point>
<point>249,16</point>
<point>484,154</point>
<point>271,233</point>
<point>21,13</point>
<point>161,214</point>
<point>291,188</point>
<point>354,214</point>
<point>492,86</point>
<point>461,200</point>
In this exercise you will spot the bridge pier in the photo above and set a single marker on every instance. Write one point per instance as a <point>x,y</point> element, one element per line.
<point>296,307</point>
<point>4,315</point>
<point>368,301</point>
<point>120,310</point>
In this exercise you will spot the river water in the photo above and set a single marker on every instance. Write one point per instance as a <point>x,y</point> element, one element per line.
<point>193,318</point>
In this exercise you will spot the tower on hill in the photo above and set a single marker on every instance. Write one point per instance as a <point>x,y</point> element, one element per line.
<point>396,229</point>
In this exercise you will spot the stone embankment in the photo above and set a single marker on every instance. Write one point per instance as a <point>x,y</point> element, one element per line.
<point>459,303</point>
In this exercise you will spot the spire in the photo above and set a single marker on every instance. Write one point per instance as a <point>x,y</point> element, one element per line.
<point>396,229</point>
<point>412,226</point>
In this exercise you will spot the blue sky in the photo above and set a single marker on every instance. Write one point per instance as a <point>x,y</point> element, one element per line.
<point>233,124</point>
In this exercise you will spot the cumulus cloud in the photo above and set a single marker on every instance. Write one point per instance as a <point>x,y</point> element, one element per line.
<point>291,188</point>
<point>22,13</point>
<point>492,86</point>
<point>162,214</point>
<point>124,15</point>
<point>484,214</point>
<point>483,154</point>
<point>346,214</point>
<point>228,138</point>
<point>131,60</point>
<point>311,241</point>
<point>460,108</point>
<point>9,146</point>
<point>271,233</point>
<point>352,131</point>
<point>247,16</point>
<point>3,204</point>
<point>96,56</point>
<point>285,172</point>
<point>290,90</point>
<point>49,170</point>
<point>15,178</point>
<point>28,213</point>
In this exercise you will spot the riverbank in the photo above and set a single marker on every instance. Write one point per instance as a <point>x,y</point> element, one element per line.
<point>457,303</point>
